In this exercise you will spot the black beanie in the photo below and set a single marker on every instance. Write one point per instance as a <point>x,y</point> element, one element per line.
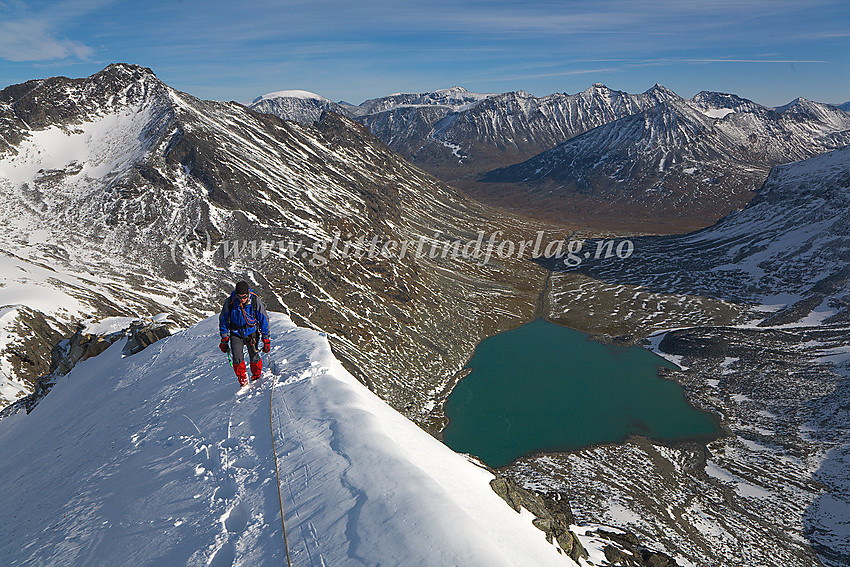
<point>242,288</point>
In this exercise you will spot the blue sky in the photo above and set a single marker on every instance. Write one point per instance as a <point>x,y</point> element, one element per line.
<point>768,51</point>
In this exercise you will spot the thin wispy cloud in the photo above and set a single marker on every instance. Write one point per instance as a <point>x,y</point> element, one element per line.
<point>37,36</point>
<point>34,40</point>
<point>730,60</point>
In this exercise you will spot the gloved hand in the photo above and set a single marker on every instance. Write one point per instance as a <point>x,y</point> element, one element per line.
<point>267,345</point>
<point>224,344</point>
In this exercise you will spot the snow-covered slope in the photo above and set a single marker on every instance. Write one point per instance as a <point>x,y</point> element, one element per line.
<point>156,459</point>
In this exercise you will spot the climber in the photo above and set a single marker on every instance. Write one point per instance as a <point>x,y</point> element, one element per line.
<point>242,322</point>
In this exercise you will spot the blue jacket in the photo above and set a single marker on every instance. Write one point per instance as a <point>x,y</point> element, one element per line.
<point>243,321</point>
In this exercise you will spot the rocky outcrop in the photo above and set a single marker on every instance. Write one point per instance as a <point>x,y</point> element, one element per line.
<point>76,348</point>
<point>627,551</point>
<point>28,332</point>
<point>80,346</point>
<point>142,334</point>
<point>552,514</point>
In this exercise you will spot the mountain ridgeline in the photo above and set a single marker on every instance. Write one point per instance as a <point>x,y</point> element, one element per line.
<point>649,162</point>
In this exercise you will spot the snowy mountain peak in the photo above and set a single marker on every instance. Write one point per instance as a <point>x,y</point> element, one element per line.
<point>662,92</point>
<point>796,105</point>
<point>64,103</point>
<point>452,91</point>
<point>720,105</point>
<point>297,94</point>
<point>802,109</point>
<point>129,69</point>
<point>300,106</point>
<point>596,89</point>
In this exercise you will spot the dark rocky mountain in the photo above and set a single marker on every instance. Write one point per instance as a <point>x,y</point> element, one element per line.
<point>679,163</point>
<point>105,178</point>
<point>845,107</point>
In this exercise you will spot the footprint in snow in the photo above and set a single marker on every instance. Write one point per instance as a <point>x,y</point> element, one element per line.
<point>236,520</point>
<point>224,556</point>
<point>225,491</point>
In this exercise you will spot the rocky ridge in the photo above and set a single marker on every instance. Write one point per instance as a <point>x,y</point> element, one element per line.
<point>82,345</point>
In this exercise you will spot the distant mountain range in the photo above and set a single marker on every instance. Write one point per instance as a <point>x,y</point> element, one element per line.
<point>457,134</point>
<point>661,162</point>
<point>680,161</point>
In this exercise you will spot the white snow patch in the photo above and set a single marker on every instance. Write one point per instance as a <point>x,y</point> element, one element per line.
<point>743,487</point>
<point>622,516</point>
<point>727,361</point>
<point>109,325</point>
<point>654,342</point>
<point>717,112</point>
<point>91,149</point>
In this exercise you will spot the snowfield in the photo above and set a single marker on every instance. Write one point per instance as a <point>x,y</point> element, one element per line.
<point>160,459</point>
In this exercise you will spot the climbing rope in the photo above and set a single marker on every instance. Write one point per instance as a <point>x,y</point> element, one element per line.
<point>250,321</point>
<point>276,469</point>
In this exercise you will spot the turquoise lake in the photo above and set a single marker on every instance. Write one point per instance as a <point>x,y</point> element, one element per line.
<point>544,388</point>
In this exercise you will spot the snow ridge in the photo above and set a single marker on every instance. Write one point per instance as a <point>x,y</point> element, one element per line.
<point>164,461</point>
